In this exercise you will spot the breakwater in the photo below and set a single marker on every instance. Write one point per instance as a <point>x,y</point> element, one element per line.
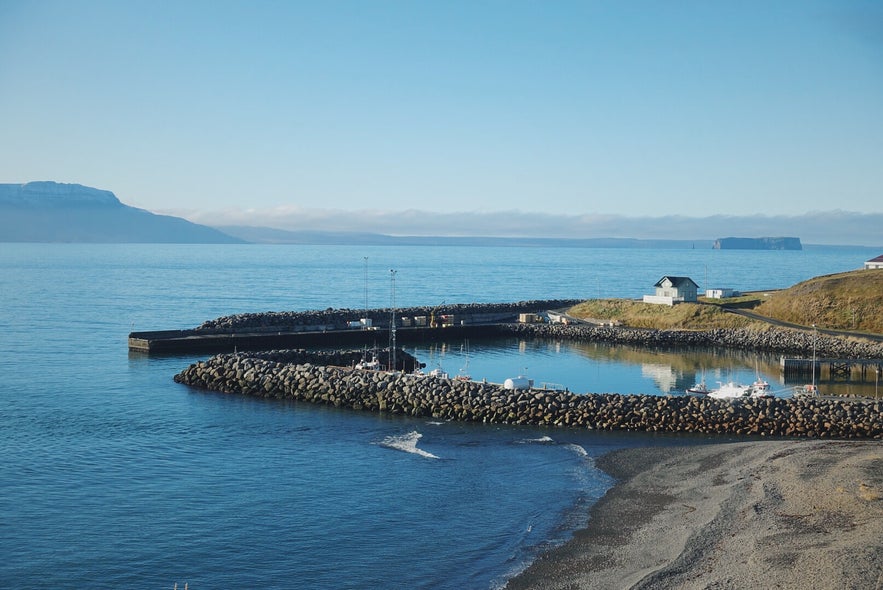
<point>313,377</point>
<point>338,327</point>
<point>339,319</point>
<point>773,340</point>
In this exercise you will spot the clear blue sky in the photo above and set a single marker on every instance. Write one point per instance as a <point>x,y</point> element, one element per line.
<point>622,108</point>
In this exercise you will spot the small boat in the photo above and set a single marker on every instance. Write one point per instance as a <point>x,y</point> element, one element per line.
<point>372,365</point>
<point>730,390</point>
<point>733,390</point>
<point>439,373</point>
<point>464,375</point>
<point>700,388</point>
<point>759,384</point>
<point>806,391</point>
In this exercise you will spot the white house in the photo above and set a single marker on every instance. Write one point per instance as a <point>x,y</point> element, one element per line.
<point>875,262</point>
<point>671,290</point>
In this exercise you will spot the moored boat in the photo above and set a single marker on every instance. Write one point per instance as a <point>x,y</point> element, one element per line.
<point>733,390</point>
<point>699,388</point>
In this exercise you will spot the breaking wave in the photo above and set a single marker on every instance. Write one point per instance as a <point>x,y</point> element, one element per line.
<point>406,443</point>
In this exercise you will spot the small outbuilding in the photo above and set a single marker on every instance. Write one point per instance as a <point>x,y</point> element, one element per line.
<point>671,290</point>
<point>874,263</point>
<point>720,293</point>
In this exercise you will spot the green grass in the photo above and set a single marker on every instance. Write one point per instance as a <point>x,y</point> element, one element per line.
<point>844,301</point>
<point>637,314</point>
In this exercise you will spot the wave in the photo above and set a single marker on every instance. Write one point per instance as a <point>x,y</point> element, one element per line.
<point>542,440</point>
<point>578,450</point>
<point>407,443</point>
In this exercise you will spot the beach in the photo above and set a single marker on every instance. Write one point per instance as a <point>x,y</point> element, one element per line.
<point>767,514</point>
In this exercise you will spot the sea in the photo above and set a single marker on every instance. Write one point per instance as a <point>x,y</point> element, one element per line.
<point>114,476</point>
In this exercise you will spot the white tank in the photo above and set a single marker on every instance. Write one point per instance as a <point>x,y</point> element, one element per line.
<point>519,382</point>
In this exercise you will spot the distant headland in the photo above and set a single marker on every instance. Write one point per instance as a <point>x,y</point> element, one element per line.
<point>73,213</point>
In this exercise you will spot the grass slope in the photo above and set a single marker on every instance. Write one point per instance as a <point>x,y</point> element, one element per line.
<point>845,301</point>
<point>636,314</point>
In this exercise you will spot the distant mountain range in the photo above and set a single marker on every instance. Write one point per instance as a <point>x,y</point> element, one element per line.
<point>55,212</point>
<point>267,235</point>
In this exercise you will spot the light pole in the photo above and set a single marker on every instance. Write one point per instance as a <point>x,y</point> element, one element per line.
<point>392,321</point>
<point>815,334</point>
<point>365,323</point>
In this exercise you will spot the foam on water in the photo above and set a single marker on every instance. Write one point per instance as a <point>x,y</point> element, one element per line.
<point>540,440</point>
<point>407,443</point>
<point>580,451</point>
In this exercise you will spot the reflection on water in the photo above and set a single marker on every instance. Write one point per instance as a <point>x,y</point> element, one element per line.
<point>593,367</point>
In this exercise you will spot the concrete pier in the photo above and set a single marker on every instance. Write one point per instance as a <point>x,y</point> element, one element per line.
<point>189,341</point>
<point>832,368</point>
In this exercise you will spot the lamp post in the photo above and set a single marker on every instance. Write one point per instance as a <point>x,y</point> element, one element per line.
<point>392,321</point>
<point>815,334</point>
<point>365,323</point>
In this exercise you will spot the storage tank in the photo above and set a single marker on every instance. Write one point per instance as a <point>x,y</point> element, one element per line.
<point>519,382</point>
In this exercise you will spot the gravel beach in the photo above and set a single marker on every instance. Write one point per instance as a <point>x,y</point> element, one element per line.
<point>770,514</point>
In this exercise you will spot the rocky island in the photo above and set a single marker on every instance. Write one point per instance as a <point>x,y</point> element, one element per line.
<point>758,244</point>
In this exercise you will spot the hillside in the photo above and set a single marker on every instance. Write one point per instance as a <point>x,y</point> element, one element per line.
<point>843,301</point>
<point>637,314</point>
<point>55,212</point>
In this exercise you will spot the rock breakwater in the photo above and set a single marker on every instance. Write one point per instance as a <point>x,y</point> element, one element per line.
<point>313,377</point>
<point>339,318</point>
<point>776,340</point>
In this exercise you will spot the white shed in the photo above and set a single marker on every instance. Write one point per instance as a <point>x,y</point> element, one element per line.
<point>874,263</point>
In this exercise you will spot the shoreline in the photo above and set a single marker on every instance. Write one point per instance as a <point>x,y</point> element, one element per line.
<point>777,513</point>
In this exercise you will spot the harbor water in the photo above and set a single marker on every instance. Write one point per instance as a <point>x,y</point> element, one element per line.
<point>114,476</point>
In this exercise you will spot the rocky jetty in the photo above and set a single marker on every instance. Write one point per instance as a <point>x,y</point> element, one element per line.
<point>313,377</point>
<point>272,321</point>
<point>775,340</point>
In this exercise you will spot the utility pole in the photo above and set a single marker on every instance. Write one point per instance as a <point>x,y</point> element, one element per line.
<point>365,323</point>
<point>392,321</point>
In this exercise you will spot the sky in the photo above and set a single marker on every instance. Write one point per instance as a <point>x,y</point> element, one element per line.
<point>489,117</point>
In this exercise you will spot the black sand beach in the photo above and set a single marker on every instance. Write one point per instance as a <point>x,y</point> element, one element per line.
<point>769,514</point>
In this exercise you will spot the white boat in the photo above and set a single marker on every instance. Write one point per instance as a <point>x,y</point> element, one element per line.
<point>733,390</point>
<point>372,365</point>
<point>464,375</point>
<point>806,391</point>
<point>760,384</point>
<point>699,388</point>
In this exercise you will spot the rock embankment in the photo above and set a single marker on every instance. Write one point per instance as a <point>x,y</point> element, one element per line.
<point>338,318</point>
<point>777,340</point>
<point>295,375</point>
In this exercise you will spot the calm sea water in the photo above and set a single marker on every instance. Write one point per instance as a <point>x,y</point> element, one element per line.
<point>114,476</point>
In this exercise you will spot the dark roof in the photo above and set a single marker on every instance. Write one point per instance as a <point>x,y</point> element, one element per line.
<point>676,281</point>
<point>877,259</point>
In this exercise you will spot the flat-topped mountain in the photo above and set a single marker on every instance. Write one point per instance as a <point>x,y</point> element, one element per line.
<point>55,212</point>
